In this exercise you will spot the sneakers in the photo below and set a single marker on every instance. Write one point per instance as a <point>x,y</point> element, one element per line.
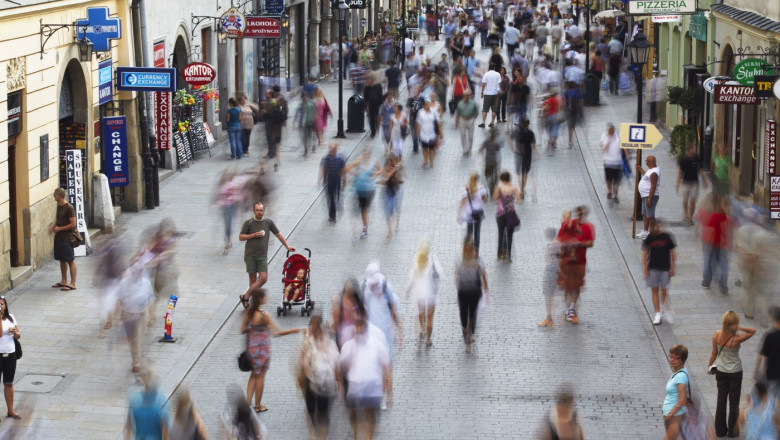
<point>546,323</point>
<point>705,285</point>
<point>364,233</point>
<point>657,319</point>
<point>642,235</point>
<point>575,319</point>
<point>615,200</point>
<point>570,315</point>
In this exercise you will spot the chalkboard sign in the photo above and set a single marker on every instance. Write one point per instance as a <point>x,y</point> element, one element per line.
<point>183,152</point>
<point>44,157</point>
<point>198,137</point>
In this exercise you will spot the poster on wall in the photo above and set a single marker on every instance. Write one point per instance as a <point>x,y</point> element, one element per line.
<point>115,154</point>
<point>75,186</point>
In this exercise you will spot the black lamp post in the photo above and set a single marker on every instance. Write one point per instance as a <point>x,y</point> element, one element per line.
<point>587,35</point>
<point>640,52</point>
<point>341,14</point>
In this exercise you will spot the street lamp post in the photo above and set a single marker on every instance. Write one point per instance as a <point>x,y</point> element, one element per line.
<point>341,13</point>
<point>640,52</point>
<point>587,35</point>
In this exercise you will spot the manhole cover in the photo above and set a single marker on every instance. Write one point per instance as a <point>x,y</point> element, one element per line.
<point>38,383</point>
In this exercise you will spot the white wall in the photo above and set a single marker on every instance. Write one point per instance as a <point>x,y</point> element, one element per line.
<point>769,9</point>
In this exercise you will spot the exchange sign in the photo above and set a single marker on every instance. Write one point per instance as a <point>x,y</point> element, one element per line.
<point>198,74</point>
<point>735,94</point>
<point>650,7</point>
<point>770,143</point>
<point>146,79</point>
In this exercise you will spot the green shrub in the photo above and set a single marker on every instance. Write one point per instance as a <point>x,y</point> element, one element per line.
<point>685,97</point>
<point>681,136</point>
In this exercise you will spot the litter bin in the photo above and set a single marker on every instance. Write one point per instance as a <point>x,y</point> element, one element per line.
<point>591,90</point>
<point>356,110</point>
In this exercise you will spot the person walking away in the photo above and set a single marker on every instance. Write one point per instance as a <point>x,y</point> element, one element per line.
<point>524,148</point>
<point>757,417</point>
<point>259,326</point>
<point>470,210</point>
<point>465,115</point>
<point>489,94</point>
<point>503,95</point>
<point>752,245</point>
<point>613,70</point>
<point>561,422</point>
<point>716,241</point>
<point>473,69</point>
<point>392,177</point>
<point>492,150</point>
<point>229,196</point>
<point>187,423</point>
<point>688,178</point>
<point>381,305</point>
<point>318,376</point>
<point>332,178</point>
<point>256,233</point>
<point>245,424</point>
<point>306,116</point>
<point>676,392</point>
<point>393,79</point>
<point>613,162</point>
<point>648,191</point>
<point>233,120</point>
<point>512,39</point>
<point>382,118</point>
<point>429,130</point>
<point>147,414</point>
<point>323,111</point>
<point>505,196</point>
<point>423,281</point>
<point>374,99</point>
<point>398,130</point>
<point>366,168</point>
<point>552,255</point>
<point>247,118</point>
<point>136,293</point>
<point>518,97</point>
<point>721,166</point>
<point>556,35</point>
<point>768,358</point>
<point>471,282</point>
<point>573,99</point>
<point>725,356</point>
<point>63,227</point>
<point>584,240</point>
<point>460,85</point>
<point>10,328</point>
<point>550,108</point>
<point>659,258</point>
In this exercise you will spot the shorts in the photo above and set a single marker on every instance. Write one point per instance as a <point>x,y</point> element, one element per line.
<point>368,402</point>
<point>256,264</point>
<point>649,211</point>
<point>690,191</point>
<point>658,278</point>
<point>490,102</point>
<point>8,368</point>
<point>612,174</point>
<point>428,145</point>
<point>364,199</point>
<point>63,251</point>
<point>522,164</point>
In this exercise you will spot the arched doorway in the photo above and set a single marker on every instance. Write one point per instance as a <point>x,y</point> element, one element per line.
<point>73,115</point>
<point>180,60</point>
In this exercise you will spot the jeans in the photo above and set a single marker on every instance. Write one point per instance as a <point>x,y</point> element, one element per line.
<point>245,133</point>
<point>510,50</point>
<point>472,229</point>
<point>270,137</point>
<point>716,257</point>
<point>333,191</point>
<point>729,388</point>
<point>504,237</point>
<point>234,133</point>
<point>373,117</point>
<point>614,84</point>
<point>502,106</point>
<point>466,127</point>
<point>468,303</point>
<point>228,212</point>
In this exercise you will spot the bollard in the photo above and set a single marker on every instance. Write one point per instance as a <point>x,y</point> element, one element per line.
<point>169,320</point>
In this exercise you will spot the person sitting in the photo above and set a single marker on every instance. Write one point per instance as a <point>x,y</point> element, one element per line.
<point>295,287</point>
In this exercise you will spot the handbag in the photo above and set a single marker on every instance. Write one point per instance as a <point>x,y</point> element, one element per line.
<point>404,129</point>
<point>244,363</point>
<point>477,215</point>
<point>18,348</point>
<point>75,238</point>
<point>713,369</point>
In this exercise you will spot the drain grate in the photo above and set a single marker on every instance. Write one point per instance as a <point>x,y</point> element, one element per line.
<point>38,383</point>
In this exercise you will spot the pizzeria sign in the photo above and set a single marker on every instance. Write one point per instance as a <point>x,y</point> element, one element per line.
<point>650,7</point>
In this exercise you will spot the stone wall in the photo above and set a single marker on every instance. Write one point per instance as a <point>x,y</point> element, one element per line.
<point>5,255</point>
<point>38,242</point>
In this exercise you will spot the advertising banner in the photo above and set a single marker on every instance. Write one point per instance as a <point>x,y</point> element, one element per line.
<point>770,143</point>
<point>162,119</point>
<point>74,176</point>
<point>105,82</point>
<point>159,54</point>
<point>650,7</point>
<point>115,154</point>
<point>263,27</point>
<point>734,94</point>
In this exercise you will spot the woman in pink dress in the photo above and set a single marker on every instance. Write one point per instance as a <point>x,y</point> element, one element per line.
<point>321,113</point>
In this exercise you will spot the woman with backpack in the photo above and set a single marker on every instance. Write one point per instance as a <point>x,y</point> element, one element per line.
<point>471,282</point>
<point>317,377</point>
<point>424,283</point>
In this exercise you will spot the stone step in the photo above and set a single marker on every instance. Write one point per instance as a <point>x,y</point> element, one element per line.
<point>19,274</point>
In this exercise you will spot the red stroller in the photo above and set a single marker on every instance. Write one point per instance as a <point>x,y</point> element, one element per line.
<point>295,277</point>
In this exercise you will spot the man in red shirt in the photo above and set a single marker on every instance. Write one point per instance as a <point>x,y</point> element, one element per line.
<point>587,233</point>
<point>716,240</point>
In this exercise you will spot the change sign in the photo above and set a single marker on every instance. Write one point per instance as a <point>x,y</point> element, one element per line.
<point>115,154</point>
<point>650,7</point>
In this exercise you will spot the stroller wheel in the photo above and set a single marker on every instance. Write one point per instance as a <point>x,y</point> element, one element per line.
<point>308,312</point>
<point>278,312</point>
<point>303,311</point>
<point>284,312</point>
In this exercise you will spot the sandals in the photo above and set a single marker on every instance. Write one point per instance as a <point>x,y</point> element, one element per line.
<point>260,409</point>
<point>244,301</point>
<point>66,287</point>
<point>15,416</point>
<point>58,285</point>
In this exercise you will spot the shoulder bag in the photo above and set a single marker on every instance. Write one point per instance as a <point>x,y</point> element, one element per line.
<point>477,215</point>
<point>75,238</point>
<point>713,369</point>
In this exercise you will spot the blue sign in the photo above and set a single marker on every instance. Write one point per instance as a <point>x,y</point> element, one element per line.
<point>146,79</point>
<point>115,151</point>
<point>105,82</point>
<point>636,133</point>
<point>274,7</point>
<point>99,28</point>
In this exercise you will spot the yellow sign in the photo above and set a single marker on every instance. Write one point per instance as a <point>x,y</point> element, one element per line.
<point>639,136</point>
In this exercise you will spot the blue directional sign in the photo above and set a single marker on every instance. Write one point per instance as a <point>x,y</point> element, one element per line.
<point>105,82</point>
<point>636,133</point>
<point>99,28</point>
<point>146,79</point>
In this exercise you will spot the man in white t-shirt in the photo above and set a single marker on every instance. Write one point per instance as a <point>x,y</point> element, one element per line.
<point>489,95</point>
<point>408,46</point>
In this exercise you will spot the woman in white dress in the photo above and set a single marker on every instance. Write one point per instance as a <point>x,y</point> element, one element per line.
<point>424,283</point>
<point>397,124</point>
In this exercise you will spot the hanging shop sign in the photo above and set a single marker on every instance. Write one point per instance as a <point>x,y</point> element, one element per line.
<point>116,160</point>
<point>735,94</point>
<point>697,28</point>
<point>774,197</point>
<point>770,144</point>
<point>263,27</point>
<point>356,4</point>
<point>666,18</point>
<point>198,74</point>
<point>746,70</point>
<point>763,85</point>
<point>233,23</point>
<point>776,89</point>
<point>162,118</point>
<point>14,107</point>
<point>74,178</point>
<point>159,54</point>
<point>99,28</point>
<point>274,7</point>
<point>105,82</point>
<point>146,79</point>
<point>651,7</point>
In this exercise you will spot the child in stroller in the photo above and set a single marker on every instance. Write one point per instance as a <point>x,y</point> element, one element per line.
<point>295,288</point>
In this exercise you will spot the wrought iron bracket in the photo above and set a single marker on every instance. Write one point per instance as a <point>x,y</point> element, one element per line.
<point>49,29</point>
<point>198,19</point>
<point>192,55</point>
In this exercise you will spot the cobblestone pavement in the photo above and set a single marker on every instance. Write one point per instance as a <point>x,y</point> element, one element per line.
<point>613,355</point>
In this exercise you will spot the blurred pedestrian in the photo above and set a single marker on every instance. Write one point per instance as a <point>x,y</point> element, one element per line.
<point>332,178</point>
<point>550,108</point>
<point>676,392</point>
<point>376,101</point>
<point>10,328</point>
<point>573,100</point>
<point>306,116</point>
<point>524,148</point>
<point>561,422</point>
<point>424,283</point>
<point>259,326</point>
<point>753,242</point>
<point>584,237</point>
<point>136,293</point>
<point>503,94</point>
<point>721,166</point>
<point>392,178</point>
<point>256,233</point>
<point>343,311</point>
<point>758,419</point>
<point>63,227</point>
<point>648,191</point>
<point>613,70</point>
<point>688,177</point>
<point>470,209</point>
<point>163,264</point>
<point>318,376</point>
<point>381,304</point>
<point>187,423</point>
<point>108,274</point>
<point>229,197</point>
<point>233,121</point>
<point>728,375</point>
<point>716,240</point>
<point>471,283</point>
<point>505,196</point>
<point>552,256</point>
<point>659,260</point>
<point>365,170</point>
<point>466,113</point>
<point>245,424</point>
<point>492,149</point>
<point>398,130</point>
<point>384,112</point>
<point>518,96</point>
<point>147,415</point>
<point>323,112</point>
<point>489,94</point>
<point>247,117</point>
<point>768,359</point>
<point>429,130</point>
<point>393,79</point>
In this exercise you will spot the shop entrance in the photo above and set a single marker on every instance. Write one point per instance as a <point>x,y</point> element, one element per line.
<point>73,117</point>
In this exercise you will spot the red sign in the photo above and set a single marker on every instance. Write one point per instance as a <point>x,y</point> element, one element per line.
<point>163,120</point>
<point>199,74</point>
<point>770,145</point>
<point>774,197</point>
<point>263,27</point>
<point>735,94</point>
<point>159,54</point>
